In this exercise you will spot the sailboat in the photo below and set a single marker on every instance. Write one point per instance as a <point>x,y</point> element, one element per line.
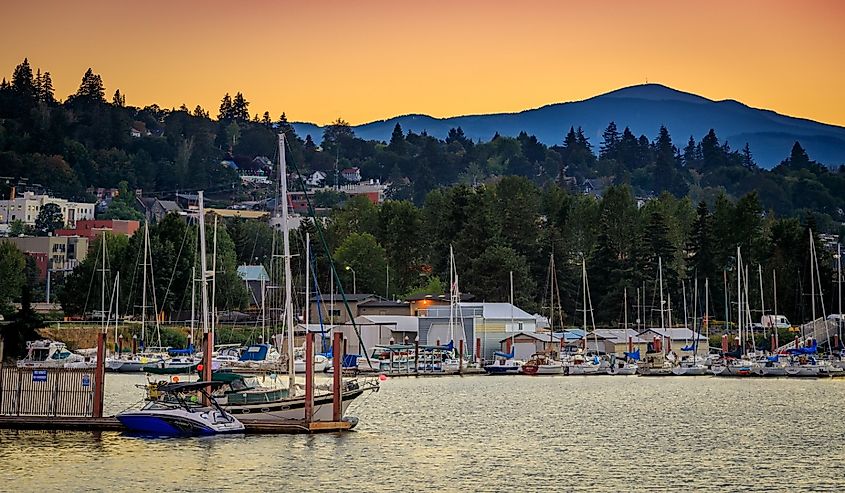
<point>628,364</point>
<point>580,363</point>
<point>506,363</point>
<point>544,363</point>
<point>734,363</point>
<point>252,403</point>
<point>686,367</point>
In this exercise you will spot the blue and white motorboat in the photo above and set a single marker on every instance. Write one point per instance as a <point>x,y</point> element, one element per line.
<point>174,409</point>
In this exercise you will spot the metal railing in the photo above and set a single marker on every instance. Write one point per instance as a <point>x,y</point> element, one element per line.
<point>46,392</point>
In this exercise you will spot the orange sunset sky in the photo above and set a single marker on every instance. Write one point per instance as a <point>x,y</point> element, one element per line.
<point>370,59</point>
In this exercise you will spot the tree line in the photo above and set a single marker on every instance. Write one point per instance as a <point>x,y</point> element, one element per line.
<point>85,140</point>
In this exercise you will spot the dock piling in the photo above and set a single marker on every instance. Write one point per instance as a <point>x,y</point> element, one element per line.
<point>338,372</point>
<point>460,356</point>
<point>478,352</point>
<point>309,376</point>
<point>416,354</point>
<point>100,375</point>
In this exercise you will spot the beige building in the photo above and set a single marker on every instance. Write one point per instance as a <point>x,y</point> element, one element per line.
<point>62,252</point>
<point>25,208</point>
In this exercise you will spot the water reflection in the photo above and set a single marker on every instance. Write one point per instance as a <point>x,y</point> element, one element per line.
<point>484,434</point>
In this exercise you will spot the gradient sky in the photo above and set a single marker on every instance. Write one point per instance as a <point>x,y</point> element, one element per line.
<point>318,60</point>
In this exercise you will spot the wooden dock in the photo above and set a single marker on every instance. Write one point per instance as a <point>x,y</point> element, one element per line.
<point>110,423</point>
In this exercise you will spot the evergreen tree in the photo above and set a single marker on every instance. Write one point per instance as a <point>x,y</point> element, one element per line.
<point>265,120</point>
<point>747,158</point>
<point>711,151</point>
<point>199,112</point>
<point>119,99</point>
<point>91,90</point>
<point>610,142</point>
<point>397,140</point>
<point>690,156</point>
<point>240,108</point>
<point>47,95</point>
<point>628,149</point>
<point>700,252</point>
<point>225,113</point>
<point>23,82</point>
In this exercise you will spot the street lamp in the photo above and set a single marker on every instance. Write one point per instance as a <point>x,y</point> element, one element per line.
<point>354,282</point>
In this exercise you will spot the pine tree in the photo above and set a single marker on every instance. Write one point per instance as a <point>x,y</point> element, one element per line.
<point>119,99</point>
<point>627,149</point>
<point>225,108</point>
<point>38,84</point>
<point>91,90</point>
<point>798,158</point>
<point>397,140</point>
<point>199,112</point>
<point>47,94</point>
<point>23,83</point>
<point>689,157</point>
<point>610,142</point>
<point>240,108</point>
<point>265,120</point>
<point>700,253</point>
<point>711,151</point>
<point>747,158</point>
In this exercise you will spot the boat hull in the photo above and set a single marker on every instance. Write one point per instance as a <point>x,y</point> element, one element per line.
<point>625,370</point>
<point>173,425</point>
<point>292,409</point>
<point>689,371</point>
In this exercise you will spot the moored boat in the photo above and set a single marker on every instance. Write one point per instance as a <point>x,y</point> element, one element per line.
<point>174,409</point>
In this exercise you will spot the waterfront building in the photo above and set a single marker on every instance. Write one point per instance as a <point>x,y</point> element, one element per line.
<point>52,253</point>
<point>91,228</point>
<point>674,339</point>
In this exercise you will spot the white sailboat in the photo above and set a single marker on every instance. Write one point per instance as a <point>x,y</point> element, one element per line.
<point>580,363</point>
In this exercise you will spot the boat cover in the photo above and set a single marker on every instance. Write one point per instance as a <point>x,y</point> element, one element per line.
<point>256,352</point>
<point>499,354</point>
<point>188,351</point>
<point>806,350</point>
<point>635,355</point>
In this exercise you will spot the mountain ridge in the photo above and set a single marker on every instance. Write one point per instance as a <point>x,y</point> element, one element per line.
<point>643,108</point>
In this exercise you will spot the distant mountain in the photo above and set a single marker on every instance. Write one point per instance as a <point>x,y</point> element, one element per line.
<point>643,108</point>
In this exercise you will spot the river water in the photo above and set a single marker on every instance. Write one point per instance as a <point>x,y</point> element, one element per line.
<point>480,433</point>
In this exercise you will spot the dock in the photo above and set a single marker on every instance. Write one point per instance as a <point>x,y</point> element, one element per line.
<point>110,423</point>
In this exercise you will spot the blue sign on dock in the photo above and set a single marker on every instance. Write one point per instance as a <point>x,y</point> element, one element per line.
<point>39,375</point>
<point>86,380</point>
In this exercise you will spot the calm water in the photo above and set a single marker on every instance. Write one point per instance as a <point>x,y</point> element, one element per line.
<point>483,434</point>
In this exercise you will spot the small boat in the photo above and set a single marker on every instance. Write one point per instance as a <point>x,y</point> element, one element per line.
<point>581,365</point>
<point>51,354</point>
<point>258,357</point>
<point>173,409</point>
<point>732,368</point>
<point>624,366</point>
<point>320,364</point>
<point>242,397</point>
<point>504,364</point>
<point>542,364</point>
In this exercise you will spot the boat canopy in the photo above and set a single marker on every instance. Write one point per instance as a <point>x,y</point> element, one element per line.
<point>499,354</point>
<point>805,350</point>
<point>634,355</point>
<point>256,352</point>
<point>182,352</point>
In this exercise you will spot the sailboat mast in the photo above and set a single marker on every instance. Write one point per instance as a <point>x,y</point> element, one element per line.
<point>762,302</point>
<point>584,289</point>
<point>204,289</point>
<point>662,322</point>
<point>103,287</point>
<point>213,306</point>
<point>839,283</point>
<point>812,279</point>
<point>144,286</point>
<point>451,294</point>
<point>307,310</point>
<point>739,298</point>
<point>513,329</point>
<point>286,243</point>
<point>193,303</point>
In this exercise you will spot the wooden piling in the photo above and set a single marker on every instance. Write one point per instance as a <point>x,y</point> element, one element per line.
<point>460,356</point>
<point>100,375</point>
<point>338,372</point>
<point>309,376</point>
<point>416,355</point>
<point>478,352</point>
<point>725,343</point>
<point>630,344</point>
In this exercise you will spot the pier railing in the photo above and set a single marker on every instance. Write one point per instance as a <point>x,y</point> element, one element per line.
<point>46,392</point>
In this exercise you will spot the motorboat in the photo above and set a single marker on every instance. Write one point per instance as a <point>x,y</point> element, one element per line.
<point>579,364</point>
<point>689,368</point>
<point>174,409</point>
<point>51,354</point>
<point>730,367</point>
<point>320,364</point>
<point>624,366</point>
<point>249,401</point>
<point>542,364</point>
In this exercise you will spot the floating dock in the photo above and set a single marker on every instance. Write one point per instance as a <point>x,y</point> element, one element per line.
<point>111,423</point>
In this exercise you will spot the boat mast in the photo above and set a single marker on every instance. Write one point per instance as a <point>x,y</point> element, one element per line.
<point>144,287</point>
<point>288,311</point>
<point>213,307</point>
<point>707,312</point>
<point>513,329</point>
<point>695,324</point>
<point>451,294</point>
<point>686,315</point>
<point>839,283</point>
<point>812,281</point>
<point>739,298</point>
<point>103,287</point>
<point>762,302</point>
<point>662,322</point>
<point>193,303</point>
<point>207,333</point>
<point>584,289</point>
<point>306,315</point>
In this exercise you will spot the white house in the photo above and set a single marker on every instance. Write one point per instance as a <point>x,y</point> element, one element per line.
<point>315,179</point>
